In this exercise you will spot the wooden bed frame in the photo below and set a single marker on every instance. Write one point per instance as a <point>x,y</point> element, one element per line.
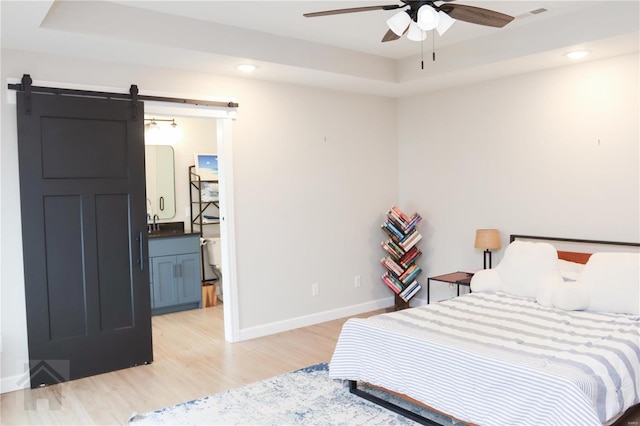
<point>578,257</point>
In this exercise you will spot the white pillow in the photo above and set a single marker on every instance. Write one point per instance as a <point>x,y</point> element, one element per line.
<point>571,296</point>
<point>570,270</point>
<point>613,282</point>
<point>486,280</point>
<point>547,288</point>
<point>525,265</point>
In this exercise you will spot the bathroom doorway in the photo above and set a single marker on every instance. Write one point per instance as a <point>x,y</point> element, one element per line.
<point>220,144</point>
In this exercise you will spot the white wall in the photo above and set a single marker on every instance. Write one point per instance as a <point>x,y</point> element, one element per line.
<point>520,154</point>
<point>314,172</point>
<point>553,153</point>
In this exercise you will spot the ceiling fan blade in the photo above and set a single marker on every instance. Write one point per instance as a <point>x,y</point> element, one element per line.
<point>353,10</point>
<point>390,36</point>
<point>476,15</point>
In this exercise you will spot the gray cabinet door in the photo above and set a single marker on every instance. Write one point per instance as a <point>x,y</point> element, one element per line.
<point>82,193</point>
<point>189,285</point>
<point>165,281</point>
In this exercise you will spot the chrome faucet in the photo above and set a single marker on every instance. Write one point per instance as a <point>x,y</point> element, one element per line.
<point>155,225</point>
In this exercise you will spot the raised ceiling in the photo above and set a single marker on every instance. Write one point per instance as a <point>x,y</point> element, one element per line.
<point>342,51</point>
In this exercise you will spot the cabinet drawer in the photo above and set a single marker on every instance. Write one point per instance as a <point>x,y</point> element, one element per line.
<point>174,245</point>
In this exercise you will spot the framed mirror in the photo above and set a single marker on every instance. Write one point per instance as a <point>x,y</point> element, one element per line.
<point>159,168</point>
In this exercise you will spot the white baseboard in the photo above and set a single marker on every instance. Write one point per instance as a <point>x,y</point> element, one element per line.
<point>304,321</point>
<point>13,383</point>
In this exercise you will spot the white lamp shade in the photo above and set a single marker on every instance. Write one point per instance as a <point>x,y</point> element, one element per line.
<point>399,22</point>
<point>445,22</point>
<point>415,33</point>
<point>428,18</point>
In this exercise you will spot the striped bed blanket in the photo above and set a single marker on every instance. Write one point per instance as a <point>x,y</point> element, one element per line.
<point>499,359</point>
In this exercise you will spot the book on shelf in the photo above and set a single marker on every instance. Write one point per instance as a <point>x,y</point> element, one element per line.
<point>415,219</point>
<point>392,266</point>
<point>400,214</point>
<point>393,284</point>
<point>397,222</point>
<point>413,292</point>
<point>408,275</point>
<point>410,291</point>
<point>396,282</point>
<point>395,247</point>
<point>409,257</point>
<point>393,231</point>
<point>390,231</point>
<point>404,222</point>
<point>392,249</point>
<point>410,240</point>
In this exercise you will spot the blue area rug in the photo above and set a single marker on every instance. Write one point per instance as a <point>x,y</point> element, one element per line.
<point>302,397</point>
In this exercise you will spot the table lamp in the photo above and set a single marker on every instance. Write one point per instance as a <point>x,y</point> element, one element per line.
<point>487,239</point>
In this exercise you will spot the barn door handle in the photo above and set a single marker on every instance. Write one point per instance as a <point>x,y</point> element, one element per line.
<point>140,251</point>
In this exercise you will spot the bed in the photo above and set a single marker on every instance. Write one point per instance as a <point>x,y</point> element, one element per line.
<point>497,357</point>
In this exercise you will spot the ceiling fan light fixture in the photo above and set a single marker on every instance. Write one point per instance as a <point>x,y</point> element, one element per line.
<point>428,18</point>
<point>444,22</point>
<point>399,22</point>
<point>415,33</point>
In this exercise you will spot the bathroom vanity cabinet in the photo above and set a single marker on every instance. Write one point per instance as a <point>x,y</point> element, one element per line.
<point>174,265</point>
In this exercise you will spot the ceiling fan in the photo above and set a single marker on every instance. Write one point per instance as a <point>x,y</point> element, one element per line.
<point>420,16</point>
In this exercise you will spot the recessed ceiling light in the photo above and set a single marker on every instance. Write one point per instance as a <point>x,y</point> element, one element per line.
<point>246,67</point>
<point>577,54</point>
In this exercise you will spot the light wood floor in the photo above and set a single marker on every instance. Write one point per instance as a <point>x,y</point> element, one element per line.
<point>191,359</point>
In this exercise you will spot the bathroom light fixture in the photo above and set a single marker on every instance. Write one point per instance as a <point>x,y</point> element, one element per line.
<point>159,131</point>
<point>577,54</point>
<point>246,68</point>
<point>151,125</point>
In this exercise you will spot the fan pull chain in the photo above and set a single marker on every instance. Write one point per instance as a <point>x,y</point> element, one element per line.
<point>433,45</point>
<point>422,53</point>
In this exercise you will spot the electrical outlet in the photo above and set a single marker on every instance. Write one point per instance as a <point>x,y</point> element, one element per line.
<point>315,289</point>
<point>187,213</point>
<point>356,281</point>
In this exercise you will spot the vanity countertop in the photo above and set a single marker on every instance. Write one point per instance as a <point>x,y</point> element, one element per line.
<point>170,234</point>
<point>168,230</point>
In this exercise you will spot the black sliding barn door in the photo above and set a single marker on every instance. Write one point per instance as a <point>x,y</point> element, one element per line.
<point>82,192</point>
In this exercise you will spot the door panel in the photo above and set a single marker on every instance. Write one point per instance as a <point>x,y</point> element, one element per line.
<point>82,194</point>
<point>115,278</point>
<point>65,287</point>
<point>101,145</point>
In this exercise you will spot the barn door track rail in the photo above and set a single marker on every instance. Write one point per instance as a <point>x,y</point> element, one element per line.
<point>27,87</point>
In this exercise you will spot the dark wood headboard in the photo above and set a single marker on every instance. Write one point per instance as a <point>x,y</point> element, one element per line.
<point>572,256</point>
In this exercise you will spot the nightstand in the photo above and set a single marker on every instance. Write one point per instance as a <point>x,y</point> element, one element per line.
<point>457,278</point>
